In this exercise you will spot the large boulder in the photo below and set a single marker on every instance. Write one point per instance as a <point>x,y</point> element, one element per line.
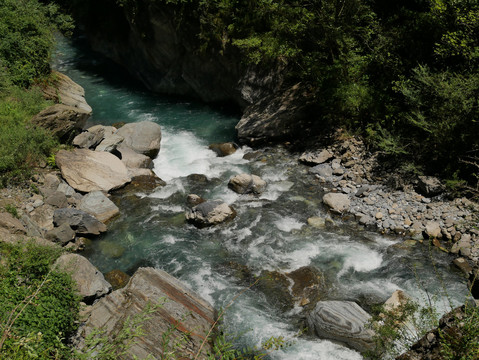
<point>337,202</point>
<point>181,313</point>
<point>65,91</point>
<point>90,282</point>
<point>132,159</point>
<point>247,184</point>
<point>87,170</point>
<point>98,205</point>
<point>143,137</point>
<point>210,213</point>
<point>62,234</point>
<point>93,136</point>
<point>61,120</point>
<point>79,221</point>
<point>429,186</point>
<point>342,321</point>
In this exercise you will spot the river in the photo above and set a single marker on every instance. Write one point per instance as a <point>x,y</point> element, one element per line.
<point>269,233</point>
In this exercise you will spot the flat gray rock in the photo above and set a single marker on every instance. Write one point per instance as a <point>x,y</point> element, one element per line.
<point>342,321</point>
<point>90,282</point>
<point>183,311</point>
<point>87,170</point>
<point>98,205</point>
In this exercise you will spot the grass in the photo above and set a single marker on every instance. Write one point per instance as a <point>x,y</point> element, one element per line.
<point>22,145</point>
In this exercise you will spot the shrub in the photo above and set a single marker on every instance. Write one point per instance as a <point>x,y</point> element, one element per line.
<point>38,308</point>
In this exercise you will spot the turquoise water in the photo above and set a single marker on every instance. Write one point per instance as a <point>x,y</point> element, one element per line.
<point>269,233</point>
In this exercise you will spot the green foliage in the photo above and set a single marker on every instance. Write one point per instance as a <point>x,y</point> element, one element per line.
<point>12,210</point>
<point>398,328</point>
<point>39,308</point>
<point>463,342</point>
<point>26,30</point>
<point>21,144</point>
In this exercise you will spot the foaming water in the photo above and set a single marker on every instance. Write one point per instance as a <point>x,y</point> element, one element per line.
<point>270,232</point>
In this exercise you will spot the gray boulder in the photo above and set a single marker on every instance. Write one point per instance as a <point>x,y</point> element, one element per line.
<point>182,312</point>
<point>342,321</point>
<point>132,159</point>
<point>79,221</point>
<point>62,120</point>
<point>65,91</point>
<point>110,143</point>
<point>62,234</point>
<point>90,282</point>
<point>93,136</point>
<point>429,186</point>
<point>57,199</point>
<point>210,213</point>
<point>143,137</point>
<point>87,170</point>
<point>337,202</point>
<point>98,205</point>
<point>247,184</point>
<point>324,170</point>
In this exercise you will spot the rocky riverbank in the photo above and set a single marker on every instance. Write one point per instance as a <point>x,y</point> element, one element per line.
<point>359,188</point>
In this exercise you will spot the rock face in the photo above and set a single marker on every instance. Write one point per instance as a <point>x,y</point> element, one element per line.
<point>247,184</point>
<point>87,170</point>
<point>277,117</point>
<point>79,221</point>
<point>90,282</point>
<point>142,137</point>
<point>163,54</point>
<point>183,311</point>
<point>62,120</point>
<point>98,205</point>
<point>338,203</point>
<point>210,213</point>
<point>342,321</point>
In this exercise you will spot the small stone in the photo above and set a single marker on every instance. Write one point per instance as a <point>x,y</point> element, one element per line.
<point>379,215</point>
<point>433,229</point>
<point>317,222</point>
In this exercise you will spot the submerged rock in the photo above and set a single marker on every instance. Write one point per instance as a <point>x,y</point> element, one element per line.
<point>342,321</point>
<point>87,170</point>
<point>182,312</point>
<point>90,282</point>
<point>210,213</point>
<point>247,184</point>
<point>117,278</point>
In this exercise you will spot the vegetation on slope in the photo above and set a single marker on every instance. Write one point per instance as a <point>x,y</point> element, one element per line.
<point>26,30</point>
<point>404,74</point>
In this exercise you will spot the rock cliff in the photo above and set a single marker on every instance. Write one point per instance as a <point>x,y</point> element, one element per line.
<point>161,48</point>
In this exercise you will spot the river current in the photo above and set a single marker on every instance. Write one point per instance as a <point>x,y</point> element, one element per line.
<point>269,233</point>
